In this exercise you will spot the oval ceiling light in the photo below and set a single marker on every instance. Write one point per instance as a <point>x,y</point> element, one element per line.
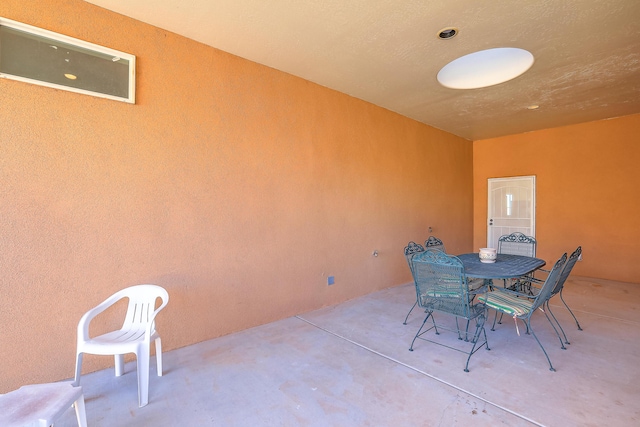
<point>485,68</point>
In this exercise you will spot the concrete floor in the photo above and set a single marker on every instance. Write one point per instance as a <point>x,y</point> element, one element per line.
<point>349,365</point>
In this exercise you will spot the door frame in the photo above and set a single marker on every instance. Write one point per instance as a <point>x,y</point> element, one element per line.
<point>532,224</point>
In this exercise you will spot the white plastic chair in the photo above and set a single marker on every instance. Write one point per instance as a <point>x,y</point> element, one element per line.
<point>135,336</point>
<point>40,405</point>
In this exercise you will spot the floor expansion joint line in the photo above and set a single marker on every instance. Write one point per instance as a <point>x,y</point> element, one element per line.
<point>426,374</point>
<point>602,316</point>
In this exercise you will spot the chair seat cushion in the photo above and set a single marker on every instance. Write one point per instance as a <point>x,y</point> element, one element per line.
<point>507,303</point>
<point>441,294</point>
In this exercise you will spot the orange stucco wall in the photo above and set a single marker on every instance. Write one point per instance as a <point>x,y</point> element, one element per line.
<point>588,191</point>
<point>237,187</point>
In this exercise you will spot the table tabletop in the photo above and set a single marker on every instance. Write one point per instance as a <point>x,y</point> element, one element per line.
<point>40,404</point>
<point>505,267</point>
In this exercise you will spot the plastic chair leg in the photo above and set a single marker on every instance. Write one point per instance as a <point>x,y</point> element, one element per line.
<point>81,414</point>
<point>159,356</point>
<point>119,364</point>
<point>76,381</point>
<point>143,375</point>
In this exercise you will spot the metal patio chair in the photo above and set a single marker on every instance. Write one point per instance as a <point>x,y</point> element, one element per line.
<point>565,274</point>
<point>413,248</point>
<point>522,306</point>
<point>410,251</point>
<point>558,288</point>
<point>517,244</point>
<point>442,286</point>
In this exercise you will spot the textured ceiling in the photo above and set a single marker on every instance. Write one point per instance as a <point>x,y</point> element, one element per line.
<point>587,53</point>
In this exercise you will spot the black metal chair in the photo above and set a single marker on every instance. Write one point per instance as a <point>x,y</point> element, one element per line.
<point>442,286</point>
<point>522,306</point>
<point>559,287</point>
<point>410,251</point>
<point>573,258</point>
<point>413,248</point>
<point>517,244</point>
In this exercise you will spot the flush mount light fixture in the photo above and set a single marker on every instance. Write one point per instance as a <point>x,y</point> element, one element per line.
<point>533,107</point>
<point>447,33</point>
<point>485,68</point>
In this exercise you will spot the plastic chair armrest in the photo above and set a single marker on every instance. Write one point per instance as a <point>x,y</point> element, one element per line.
<point>85,320</point>
<point>151,325</point>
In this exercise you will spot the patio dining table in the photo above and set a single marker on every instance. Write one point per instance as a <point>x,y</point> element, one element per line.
<point>505,267</point>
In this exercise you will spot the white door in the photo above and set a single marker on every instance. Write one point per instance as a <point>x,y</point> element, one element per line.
<point>512,207</point>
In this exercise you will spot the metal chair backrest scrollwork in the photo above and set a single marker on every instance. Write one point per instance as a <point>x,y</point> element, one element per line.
<point>517,244</point>
<point>410,250</point>
<point>434,243</point>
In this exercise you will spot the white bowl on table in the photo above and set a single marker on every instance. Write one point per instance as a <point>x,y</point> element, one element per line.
<point>488,255</point>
